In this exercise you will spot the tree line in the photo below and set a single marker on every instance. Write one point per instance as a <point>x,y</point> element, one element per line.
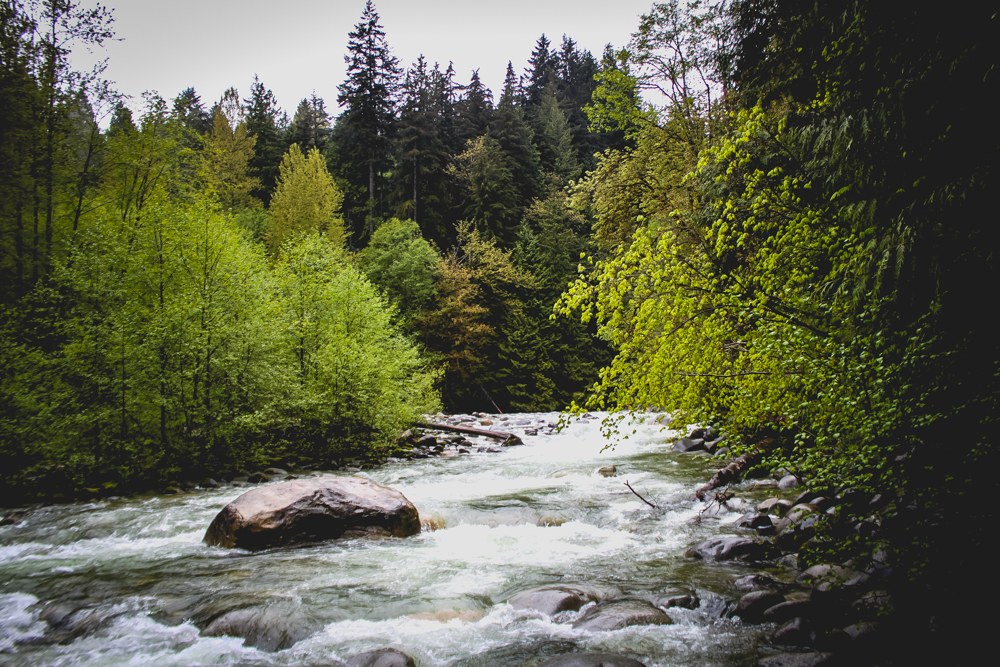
<point>189,289</point>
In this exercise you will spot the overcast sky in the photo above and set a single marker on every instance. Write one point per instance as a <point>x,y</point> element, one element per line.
<point>298,46</point>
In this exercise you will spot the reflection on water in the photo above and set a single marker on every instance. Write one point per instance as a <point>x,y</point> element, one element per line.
<point>129,582</point>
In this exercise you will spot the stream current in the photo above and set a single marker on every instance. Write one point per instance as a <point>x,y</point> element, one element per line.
<point>135,582</point>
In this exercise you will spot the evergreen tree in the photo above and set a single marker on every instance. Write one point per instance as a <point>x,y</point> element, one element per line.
<point>538,75</point>
<point>512,133</point>
<point>368,95</point>
<point>310,127</point>
<point>262,118</point>
<point>475,109</point>
<point>190,112</point>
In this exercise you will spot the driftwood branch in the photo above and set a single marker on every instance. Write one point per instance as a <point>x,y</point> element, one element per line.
<point>507,438</point>
<point>731,472</point>
<point>640,497</point>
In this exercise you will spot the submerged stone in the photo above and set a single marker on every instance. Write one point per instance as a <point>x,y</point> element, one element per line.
<point>620,614</point>
<point>591,660</point>
<point>551,600</point>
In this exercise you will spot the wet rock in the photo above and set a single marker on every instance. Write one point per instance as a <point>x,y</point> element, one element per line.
<point>754,582</point>
<point>778,506</point>
<point>607,471</point>
<point>383,657</point>
<point>57,615</point>
<point>426,441</point>
<point>685,445</point>
<point>275,471</point>
<point>258,478</point>
<point>531,431</point>
<point>266,628</point>
<point>788,482</point>
<point>491,449</point>
<point>620,614</point>
<point>551,600</point>
<point>755,521</point>
<point>796,660</point>
<point>312,510</point>
<point>752,606</point>
<point>786,611</point>
<point>796,632</point>
<point>712,446</point>
<point>591,660</point>
<point>730,548</point>
<point>486,422</point>
<point>684,601</point>
<point>12,519</point>
<point>209,483</point>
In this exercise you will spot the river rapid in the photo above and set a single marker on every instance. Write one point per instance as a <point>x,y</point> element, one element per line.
<point>133,581</point>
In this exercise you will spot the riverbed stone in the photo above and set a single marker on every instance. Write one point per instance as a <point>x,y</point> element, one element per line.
<point>796,660</point>
<point>786,611</point>
<point>312,510</point>
<point>383,657</point>
<point>788,482</point>
<point>689,445</point>
<point>591,660</point>
<point>607,471</point>
<point>752,606</point>
<point>730,548</point>
<point>551,600</point>
<point>619,614</point>
<point>265,628</point>
<point>796,632</point>
<point>778,506</point>
<point>754,582</point>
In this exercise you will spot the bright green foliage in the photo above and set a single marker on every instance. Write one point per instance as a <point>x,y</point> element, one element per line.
<point>305,200</point>
<point>228,155</point>
<point>359,378</point>
<point>807,285</point>
<point>403,264</point>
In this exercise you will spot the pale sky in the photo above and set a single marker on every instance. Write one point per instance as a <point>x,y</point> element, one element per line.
<point>297,46</point>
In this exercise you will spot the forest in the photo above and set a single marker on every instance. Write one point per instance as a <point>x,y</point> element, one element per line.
<point>764,215</point>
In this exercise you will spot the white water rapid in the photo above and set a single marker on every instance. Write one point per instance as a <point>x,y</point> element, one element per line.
<point>130,582</point>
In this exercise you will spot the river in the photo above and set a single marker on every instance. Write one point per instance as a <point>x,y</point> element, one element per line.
<point>134,579</point>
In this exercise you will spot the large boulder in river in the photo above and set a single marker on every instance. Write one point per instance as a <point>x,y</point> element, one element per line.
<point>620,614</point>
<point>551,600</point>
<point>730,548</point>
<point>312,510</point>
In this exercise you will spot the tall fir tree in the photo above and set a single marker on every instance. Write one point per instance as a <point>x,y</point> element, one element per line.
<point>263,116</point>
<point>368,96</point>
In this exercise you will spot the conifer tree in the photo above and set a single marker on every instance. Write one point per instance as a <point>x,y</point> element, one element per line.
<point>368,95</point>
<point>475,109</point>
<point>310,127</point>
<point>512,133</point>
<point>262,118</point>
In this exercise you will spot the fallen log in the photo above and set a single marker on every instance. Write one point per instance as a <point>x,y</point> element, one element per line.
<point>508,439</point>
<point>731,472</point>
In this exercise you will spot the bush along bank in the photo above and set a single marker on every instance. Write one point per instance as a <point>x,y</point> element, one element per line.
<point>835,581</point>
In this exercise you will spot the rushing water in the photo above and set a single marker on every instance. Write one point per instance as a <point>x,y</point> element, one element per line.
<point>137,583</point>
